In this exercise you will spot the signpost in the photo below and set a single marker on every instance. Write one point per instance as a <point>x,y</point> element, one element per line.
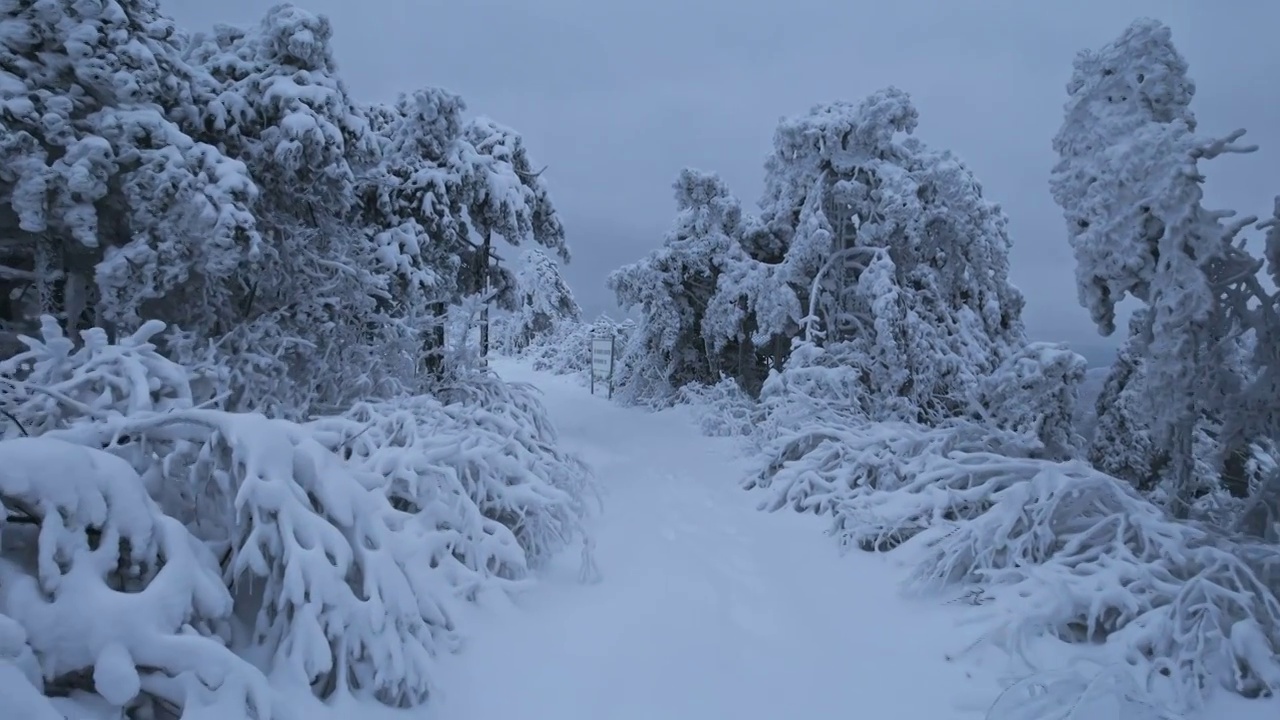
<point>602,363</point>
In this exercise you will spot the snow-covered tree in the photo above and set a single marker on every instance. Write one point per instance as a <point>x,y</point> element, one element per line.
<point>510,200</point>
<point>900,261</point>
<point>118,211</point>
<point>880,257</point>
<point>672,288</point>
<point>223,242</point>
<point>315,294</point>
<point>1122,445</point>
<point>543,300</point>
<point>1189,412</point>
<point>445,188</point>
<point>1130,189</point>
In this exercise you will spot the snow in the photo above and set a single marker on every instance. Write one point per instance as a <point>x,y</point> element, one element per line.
<point>708,608</point>
<point>705,608</point>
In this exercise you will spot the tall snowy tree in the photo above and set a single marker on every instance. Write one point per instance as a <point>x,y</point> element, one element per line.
<point>1130,190</point>
<point>542,300</point>
<point>313,297</point>
<point>445,188</point>
<point>673,286</point>
<point>115,211</point>
<point>900,262</point>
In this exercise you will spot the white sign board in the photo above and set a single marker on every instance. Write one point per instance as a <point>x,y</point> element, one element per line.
<point>602,363</point>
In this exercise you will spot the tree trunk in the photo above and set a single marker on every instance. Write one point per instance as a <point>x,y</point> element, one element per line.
<point>484,311</point>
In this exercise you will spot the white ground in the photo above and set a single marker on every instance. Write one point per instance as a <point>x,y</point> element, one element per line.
<point>710,609</point>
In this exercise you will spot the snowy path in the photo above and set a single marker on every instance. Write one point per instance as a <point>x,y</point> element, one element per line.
<point>709,608</point>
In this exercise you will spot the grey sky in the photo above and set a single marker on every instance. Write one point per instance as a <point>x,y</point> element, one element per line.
<point>617,97</point>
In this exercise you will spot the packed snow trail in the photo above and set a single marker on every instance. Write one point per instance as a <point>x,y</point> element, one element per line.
<point>708,608</point>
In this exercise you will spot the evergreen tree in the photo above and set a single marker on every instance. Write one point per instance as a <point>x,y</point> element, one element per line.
<point>543,301</point>
<point>1130,190</point>
<point>278,105</point>
<point>119,213</point>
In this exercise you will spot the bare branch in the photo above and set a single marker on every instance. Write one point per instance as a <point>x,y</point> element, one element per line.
<point>530,176</point>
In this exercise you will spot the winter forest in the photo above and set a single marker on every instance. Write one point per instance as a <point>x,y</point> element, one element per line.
<point>260,458</point>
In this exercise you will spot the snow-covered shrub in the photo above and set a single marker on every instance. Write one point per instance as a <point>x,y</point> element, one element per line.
<point>1034,392</point>
<point>115,598</point>
<point>1073,694</point>
<point>1074,552</point>
<point>344,555</point>
<point>816,389</point>
<point>723,409</point>
<point>835,384</point>
<point>854,471</point>
<point>482,476</point>
<point>566,349</point>
<point>1088,559</point>
<point>311,548</point>
<point>56,381</point>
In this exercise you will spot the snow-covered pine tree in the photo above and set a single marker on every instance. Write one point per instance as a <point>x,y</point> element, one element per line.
<point>117,211</point>
<point>543,301</point>
<point>509,201</point>
<point>1128,183</point>
<point>672,287</point>
<point>445,188</point>
<point>412,214</point>
<point>307,317</point>
<point>510,198</point>
<point>899,260</point>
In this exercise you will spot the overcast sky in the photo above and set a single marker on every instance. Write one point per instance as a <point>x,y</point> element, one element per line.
<point>616,97</point>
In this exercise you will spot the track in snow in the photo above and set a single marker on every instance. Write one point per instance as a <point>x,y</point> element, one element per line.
<point>709,609</point>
